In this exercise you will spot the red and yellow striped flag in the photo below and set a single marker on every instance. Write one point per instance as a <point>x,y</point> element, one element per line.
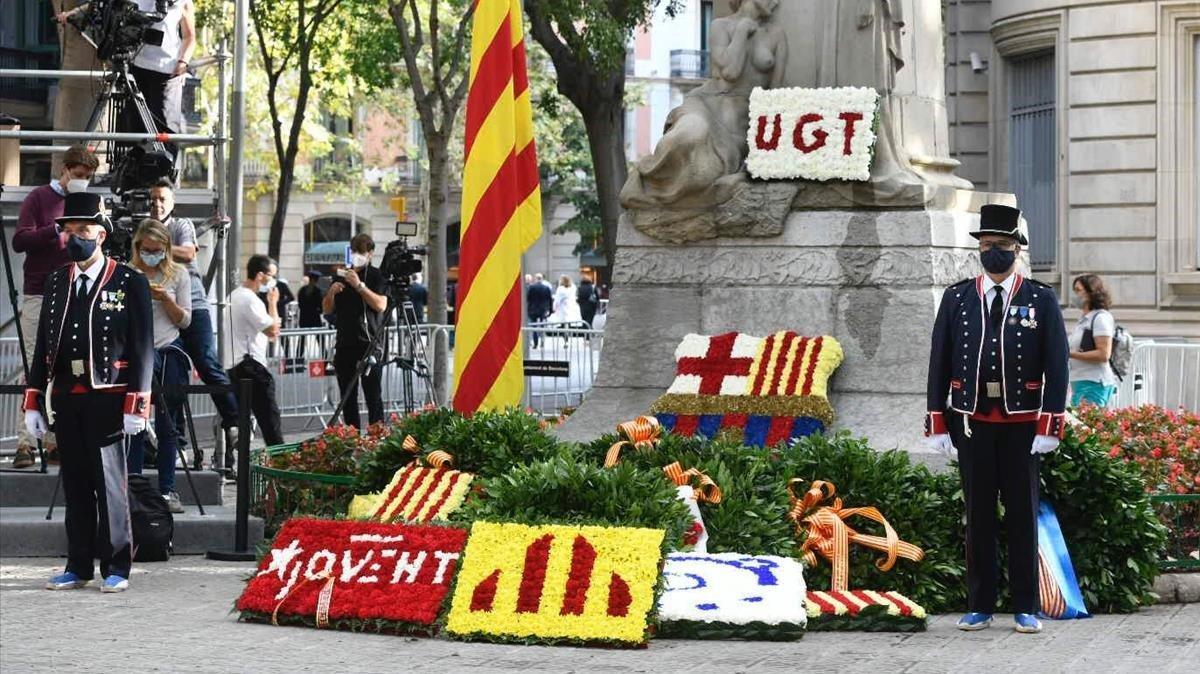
<point>501,212</point>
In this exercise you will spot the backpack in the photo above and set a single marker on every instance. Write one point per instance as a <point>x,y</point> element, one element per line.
<point>151,521</point>
<point>1121,356</point>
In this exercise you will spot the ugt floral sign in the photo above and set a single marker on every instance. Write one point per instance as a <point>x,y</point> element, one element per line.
<point>815,134</point>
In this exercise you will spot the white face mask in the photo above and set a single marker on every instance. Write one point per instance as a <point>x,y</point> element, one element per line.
<point>267,287</point>
<point>358,260</point>
<point>76,185</point>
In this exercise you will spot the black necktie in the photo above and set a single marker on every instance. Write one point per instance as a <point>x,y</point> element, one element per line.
<point>82,295</point>
<point>996,314</point>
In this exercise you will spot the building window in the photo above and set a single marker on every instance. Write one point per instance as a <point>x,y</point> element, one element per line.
<point>706,17</point>
<point>1033,152</point>
<point>325,241</point>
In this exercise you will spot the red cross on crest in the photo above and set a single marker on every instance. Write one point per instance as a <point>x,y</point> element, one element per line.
<point>716,364</point>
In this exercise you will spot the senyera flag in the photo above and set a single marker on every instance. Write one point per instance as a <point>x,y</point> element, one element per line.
<point>501,212</point>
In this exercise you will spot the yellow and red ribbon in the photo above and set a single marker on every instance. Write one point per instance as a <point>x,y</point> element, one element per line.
<point>435,459</point>
<point>323,599</point>
<point>642,433</point>
<point>706,489</point>
<point>830,537</point>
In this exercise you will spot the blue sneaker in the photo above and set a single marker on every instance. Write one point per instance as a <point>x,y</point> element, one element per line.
<point>1027,623</point>
<point>115,584</point>
<point>66,581</point>
<point>975,621</point>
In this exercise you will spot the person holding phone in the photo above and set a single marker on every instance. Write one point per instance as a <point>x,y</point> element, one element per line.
<point>357,299</point>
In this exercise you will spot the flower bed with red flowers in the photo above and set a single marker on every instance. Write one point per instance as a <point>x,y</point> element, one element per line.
<point>313,478</point>
<point>1165,447</point>
<point>375,577</point>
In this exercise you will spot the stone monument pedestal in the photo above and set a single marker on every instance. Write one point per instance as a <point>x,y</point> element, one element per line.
<point>870,278</point>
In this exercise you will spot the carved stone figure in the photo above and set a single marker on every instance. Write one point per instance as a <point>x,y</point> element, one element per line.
<point>697,164</point>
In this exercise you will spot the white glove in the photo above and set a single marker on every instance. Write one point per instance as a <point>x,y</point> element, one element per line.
<point>134,424</point>
<point>1044,444</point>
<point>942,443</point>
<point>35,423</point>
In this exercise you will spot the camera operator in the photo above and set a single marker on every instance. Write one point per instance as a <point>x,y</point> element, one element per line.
<point>39,238</point>
<point>197,337</point>
<point>358,300</point>
<point>160,64</point>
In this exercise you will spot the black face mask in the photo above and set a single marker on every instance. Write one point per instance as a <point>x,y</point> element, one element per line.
<point>80,249</point>
<point>997,260</point>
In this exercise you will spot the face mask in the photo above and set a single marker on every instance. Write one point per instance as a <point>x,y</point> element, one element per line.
<point>80,249</point>
<point>153,259</point>
<point>1076,301</point>
<point>267,287</point>
<point>77,185</point>
<point>358,260</point>
<point>998,261</point>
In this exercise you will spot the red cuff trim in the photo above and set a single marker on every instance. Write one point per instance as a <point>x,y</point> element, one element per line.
<point>32,398</point>
<point>138,403</point>
<point>935,424</point>
<point>1052,424</point>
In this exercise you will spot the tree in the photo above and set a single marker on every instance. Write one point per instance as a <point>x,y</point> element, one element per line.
<point>299,45</point>
<point>429,42</point>
<point>586,41</point>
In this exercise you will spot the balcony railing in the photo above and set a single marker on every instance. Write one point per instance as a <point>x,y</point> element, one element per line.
<point>28,90</point>
<point>689,64</point>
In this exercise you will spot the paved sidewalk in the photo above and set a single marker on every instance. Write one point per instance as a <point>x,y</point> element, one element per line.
<point>177,619</point>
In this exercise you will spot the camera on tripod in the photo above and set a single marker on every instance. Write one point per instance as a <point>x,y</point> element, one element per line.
<point>399,259</point>
<point>126,212</point>
<point>116,27</point>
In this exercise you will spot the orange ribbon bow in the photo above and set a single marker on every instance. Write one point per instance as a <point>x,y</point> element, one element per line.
<point>641,433</point>
<point>706,492</point>
<point>829,536</point>
<point>435,459</point>
<point>323,598</point>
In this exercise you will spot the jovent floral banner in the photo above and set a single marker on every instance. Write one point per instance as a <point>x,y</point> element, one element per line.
<point>354,575</point>
<point>556,583</point>
<point>731,595</point>
<point>815,134</point>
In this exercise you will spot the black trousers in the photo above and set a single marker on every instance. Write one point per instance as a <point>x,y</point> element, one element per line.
<point>345,361</point>
<point>996,459</point>
<point>262,398</point>
<point>92,450</point>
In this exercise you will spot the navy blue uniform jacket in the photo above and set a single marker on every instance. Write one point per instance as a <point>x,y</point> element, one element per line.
<point>1032,356</point>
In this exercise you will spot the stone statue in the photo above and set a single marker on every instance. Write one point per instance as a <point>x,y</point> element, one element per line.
<point>698,162</point>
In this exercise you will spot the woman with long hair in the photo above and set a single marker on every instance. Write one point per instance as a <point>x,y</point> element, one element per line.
<point>170,289</point>
<point>566,304</point>
<point>1092,378</point>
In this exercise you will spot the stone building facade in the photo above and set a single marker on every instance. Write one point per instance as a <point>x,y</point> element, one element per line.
<point>1087,110</point>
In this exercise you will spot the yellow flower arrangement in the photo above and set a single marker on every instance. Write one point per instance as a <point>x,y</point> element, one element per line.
<point>556,582</point>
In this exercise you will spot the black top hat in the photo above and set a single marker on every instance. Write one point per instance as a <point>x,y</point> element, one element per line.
<point>84,206</point>
<point>1002,220</point>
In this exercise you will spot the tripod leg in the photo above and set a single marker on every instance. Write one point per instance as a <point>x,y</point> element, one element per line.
<point>187,471</point>
<point>54,497</point>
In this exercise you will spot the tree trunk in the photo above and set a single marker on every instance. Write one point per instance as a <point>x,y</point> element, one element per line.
<point>283,194</point>
<point>606,139</point>
<point>438,185</point>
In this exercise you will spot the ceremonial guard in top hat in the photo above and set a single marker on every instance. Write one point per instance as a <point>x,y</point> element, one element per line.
<point>997,393</point>
<point>94,357</point>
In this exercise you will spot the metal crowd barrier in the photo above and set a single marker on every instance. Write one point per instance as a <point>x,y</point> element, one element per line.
<point>1164,374</point>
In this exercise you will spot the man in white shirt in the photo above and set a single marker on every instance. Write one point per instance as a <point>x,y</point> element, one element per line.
<point>251,326</point>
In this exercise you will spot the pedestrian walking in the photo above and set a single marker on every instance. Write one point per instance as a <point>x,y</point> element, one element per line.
<point>1092,377</point>
<point>589,300</point>
<point>539,303</point>
<point>566,303</point>
<point>999,355</point>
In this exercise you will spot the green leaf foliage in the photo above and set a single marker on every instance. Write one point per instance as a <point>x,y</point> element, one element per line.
<point>566,490</point>
<point>1112,533</point>
<point>486,443</point>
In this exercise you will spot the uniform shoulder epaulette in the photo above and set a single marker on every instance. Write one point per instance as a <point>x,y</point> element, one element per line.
<point>1039,283</point>
<point>965,281</point>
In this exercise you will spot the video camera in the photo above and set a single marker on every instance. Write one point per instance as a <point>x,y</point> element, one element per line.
<point>116,28</point>
<point>399,261</point>
<point>126,213</point>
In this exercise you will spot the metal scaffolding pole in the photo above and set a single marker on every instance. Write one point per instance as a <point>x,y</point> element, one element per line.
<point>220,159</point>
<point>180,138</point>
<point>237,129</point>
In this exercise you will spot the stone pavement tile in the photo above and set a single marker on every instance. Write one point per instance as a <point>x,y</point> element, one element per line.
<point>177,619</point>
